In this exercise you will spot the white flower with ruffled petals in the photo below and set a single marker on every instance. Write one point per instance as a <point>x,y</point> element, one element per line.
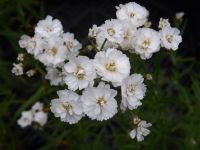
<point>163,23</point>
<point>99,102</point>
<point>54,75</point>
<point>68,106</point>
<point>55,53</point>
<point>33,45</point>
<point>132,90</point>
<point>73,46</point>
<point>17,69</point>
<point>129,33</point>
<point>40,117</point>
<point>132,12</point>
<point>146,42</point>
<point>38,106</point>
<point>112,65</point>
<point>25,119</point>
<point>112,30</point>
<point>170,38</point>
<point>141,130</point>
<point>80,73</point>
<point>49,27</point>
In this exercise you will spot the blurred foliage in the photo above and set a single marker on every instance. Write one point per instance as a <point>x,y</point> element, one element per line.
<point>172,103</point>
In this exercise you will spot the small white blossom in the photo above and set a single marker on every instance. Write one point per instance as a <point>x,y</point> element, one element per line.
<point>73,46</point>
<point>49,27</point>
<point>94,31</point>
<point>140,131</point>
<point>170,38</point>
<point>25,119</point>
<point>68,107</point>
<point>20,57</point>
<point>33,45</point>
<point>163,23</point>
<point>80,73</point>
<point>112,65</point>
<point>30,72</point>
<point>146,42</point>
<point>179,15</point>
<point>132,90</point>
<point>41,118</point>
<point>133,12</point>
<point>17,69</point>
<point>99,102</point>
<point>55,53</point>
<point>129,33</point>
<point>112,30</point>
<point>38,106</point>
<point>54,76</point>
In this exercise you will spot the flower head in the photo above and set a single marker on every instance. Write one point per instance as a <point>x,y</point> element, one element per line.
<point>49,27</point>
<point>54,75</point>
<point>112,65</point>
<point>170,38</point>
<point>132,12</point>
<point>40,117</point>
<point>141,130</point>
<point>132,90</point>
<point>146,42</point>
<point>80,73</point>
<point>17,69</point>
<point>99,102</point>
<point>68,106</point>
<point>73,46</point>
<point>112,30</point>
<point>25,119</point>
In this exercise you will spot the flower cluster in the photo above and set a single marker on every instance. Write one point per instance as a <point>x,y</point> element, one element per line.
<point>36,114</point>
<point>93,84</point>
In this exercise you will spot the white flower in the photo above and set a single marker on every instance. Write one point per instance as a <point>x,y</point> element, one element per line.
<point>54,76</point>
<point>33,45</point>
<point>99,102</point>
<point>100,40</point>
<point>170,38</point>
<point>94,31</point>
<point>68,106</point>
<point>30,73</point>
<point>140,131</point>
<point>72,45</point>
<point>55,52</point>
<point>80,73</point>
<point>38,106</point>
<point>146,42</point>
<point>163,23</point>
<point>17,69</point>
<point>20,57</point>
<point>112,65</point>
<point>179,15</point>
<point>132,12</point>
<point>25,119</point>
<point>48,27</point>
<point>112,30</point>
<point>132,90</point>
<point>41,118</point>
<point>129,33</point>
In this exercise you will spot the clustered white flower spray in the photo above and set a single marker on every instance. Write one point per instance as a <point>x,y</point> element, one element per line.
<point>94,83</point>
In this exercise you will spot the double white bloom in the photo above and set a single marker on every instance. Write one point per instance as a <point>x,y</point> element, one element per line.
<point>133,90</point>
<point>79,72</point>
<point>112,65</point>
<point>68,106</point>
<point>99,102</point>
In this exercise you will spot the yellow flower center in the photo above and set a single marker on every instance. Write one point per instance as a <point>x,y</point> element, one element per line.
<point>145,44</point>
<point>111,32</point>
<point>169,38</point>
<point>80,73</point>
<point>131,88</point>
<point>67,107</point>
<point>101,101</point>
<point>111,67</point>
